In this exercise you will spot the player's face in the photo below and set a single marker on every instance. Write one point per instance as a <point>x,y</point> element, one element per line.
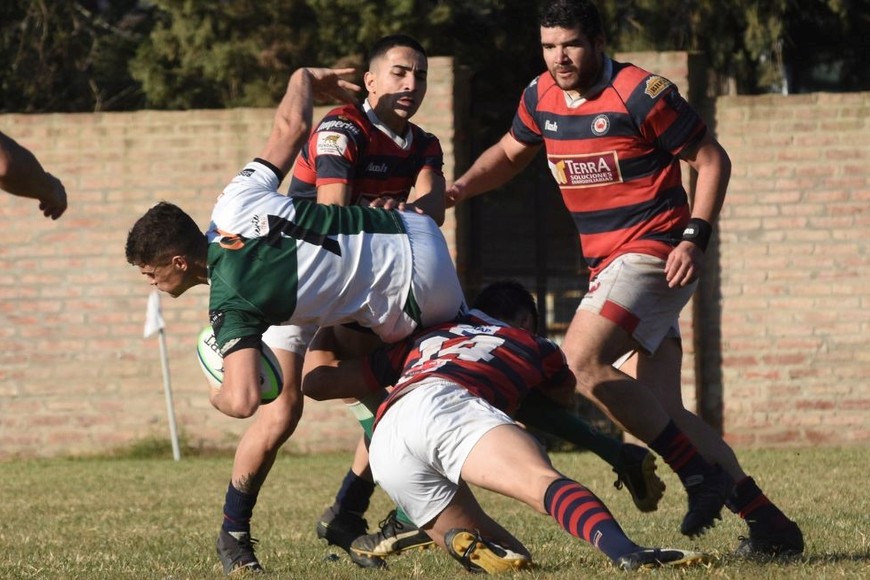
<point>396,85</point>
<point>170,278</point>
<point>573,59</point>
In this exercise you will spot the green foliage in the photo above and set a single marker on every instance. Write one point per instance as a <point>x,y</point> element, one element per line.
<point>93,55</point>
<point>826,43</point>
<point>68,56</point>
<point>223,54</point>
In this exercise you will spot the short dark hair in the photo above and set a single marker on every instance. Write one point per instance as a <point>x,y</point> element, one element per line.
<point>571,14</point>
<point>163,232</point>
<point>505,300</point>
<point>380,47</point>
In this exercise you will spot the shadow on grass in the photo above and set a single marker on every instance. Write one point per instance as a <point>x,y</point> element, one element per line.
<point>835,558</point>
<point>160,448</point>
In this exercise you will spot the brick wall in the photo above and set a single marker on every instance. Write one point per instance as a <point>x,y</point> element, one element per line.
<point>76,376</point>
<point>795,267</point>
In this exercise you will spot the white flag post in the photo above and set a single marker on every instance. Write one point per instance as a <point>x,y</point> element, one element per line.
<point>154,323</point>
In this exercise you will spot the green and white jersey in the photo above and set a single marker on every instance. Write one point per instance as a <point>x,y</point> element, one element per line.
<point>273,259</point>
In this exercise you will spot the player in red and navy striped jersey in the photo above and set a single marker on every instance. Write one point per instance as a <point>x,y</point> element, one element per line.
<point>445,424</point>
<point>349,150</point>
<point>372,154</point>
<point>499,364</point>
<point>616,158</point>
<point>615,136</point>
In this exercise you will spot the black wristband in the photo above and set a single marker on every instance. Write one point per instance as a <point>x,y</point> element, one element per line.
<point>698,232</point>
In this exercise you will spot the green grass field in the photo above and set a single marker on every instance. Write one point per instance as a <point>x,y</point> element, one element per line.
<point>155,518</point>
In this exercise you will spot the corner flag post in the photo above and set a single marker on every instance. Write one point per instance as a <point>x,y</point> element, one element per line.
<point>154,323</point>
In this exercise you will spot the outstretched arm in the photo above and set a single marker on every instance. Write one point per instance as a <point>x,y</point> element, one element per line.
<point>495,167</point>
<point>429,195</point>
<point>21,174</point>
<point>294,115</point>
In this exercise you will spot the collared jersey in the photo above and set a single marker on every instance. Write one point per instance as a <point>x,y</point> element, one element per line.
<point>273,259</point>
<point>496,362</point>
<point>614,157</point>
<point>346,147</point>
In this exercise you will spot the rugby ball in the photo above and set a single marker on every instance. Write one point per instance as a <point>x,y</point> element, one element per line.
<point>212,364</point>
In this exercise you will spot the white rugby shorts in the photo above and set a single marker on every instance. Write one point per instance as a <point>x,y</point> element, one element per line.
<point>434,282</point>
<point>633,293</point>
<point>290,337</point>
<point>421,443</point>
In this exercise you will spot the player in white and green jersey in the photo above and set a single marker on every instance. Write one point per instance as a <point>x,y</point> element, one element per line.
<point>274,259</point>
<point>270,259</point>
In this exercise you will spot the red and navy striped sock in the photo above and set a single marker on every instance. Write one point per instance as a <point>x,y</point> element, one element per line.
<point>238,510</point>
<point>679,453</point>
<point>582,515</point>
<point>750,503</point>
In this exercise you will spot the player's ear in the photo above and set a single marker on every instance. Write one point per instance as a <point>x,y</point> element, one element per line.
<point>179,263</point>
<point>369,81</point>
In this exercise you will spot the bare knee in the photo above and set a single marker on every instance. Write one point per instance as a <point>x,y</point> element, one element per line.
<point>594,378</point>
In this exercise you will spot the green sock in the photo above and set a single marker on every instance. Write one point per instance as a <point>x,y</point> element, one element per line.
<point>365,409</point>
<point>403,517</point>
<point>365,417</point>
<point>544,414</point>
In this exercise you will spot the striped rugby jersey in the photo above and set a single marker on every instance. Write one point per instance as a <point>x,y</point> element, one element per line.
<point>614,157</point>
<point>346,147</point>
<point>496,362</point>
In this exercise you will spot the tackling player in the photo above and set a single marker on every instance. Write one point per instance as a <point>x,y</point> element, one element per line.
<point>446,424</point>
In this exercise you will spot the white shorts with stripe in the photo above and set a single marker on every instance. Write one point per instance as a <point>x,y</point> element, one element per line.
<point>633,293</point>
<point>421,443</point>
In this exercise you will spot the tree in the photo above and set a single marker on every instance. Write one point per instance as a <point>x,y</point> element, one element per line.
<point>68,56</point>
<point>93,55</point>
<point>223,54</point>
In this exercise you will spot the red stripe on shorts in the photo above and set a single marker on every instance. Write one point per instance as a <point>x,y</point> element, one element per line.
<point>620,316</point>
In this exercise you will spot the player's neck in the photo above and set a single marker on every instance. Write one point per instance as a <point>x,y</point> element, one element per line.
<point>395,127</point>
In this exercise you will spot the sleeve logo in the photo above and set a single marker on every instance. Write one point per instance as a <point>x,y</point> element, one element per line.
<point>329,143</point>
<point>655,85</point>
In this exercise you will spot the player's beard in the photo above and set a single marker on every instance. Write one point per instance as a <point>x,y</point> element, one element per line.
<point>583,78</point>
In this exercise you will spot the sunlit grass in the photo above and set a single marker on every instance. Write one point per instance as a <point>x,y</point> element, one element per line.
<point>127,517</point>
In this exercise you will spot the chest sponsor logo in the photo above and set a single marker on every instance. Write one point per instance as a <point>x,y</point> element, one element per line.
<point>329,143</point>
<point>377,167</point>
<point>600,125</point>
<point>340,123</point>
<point>655,85</point>
<point>585,170</point>
<point>551,126</point>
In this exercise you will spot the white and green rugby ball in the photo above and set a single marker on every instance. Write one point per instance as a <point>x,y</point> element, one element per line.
<point>212,363</point>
